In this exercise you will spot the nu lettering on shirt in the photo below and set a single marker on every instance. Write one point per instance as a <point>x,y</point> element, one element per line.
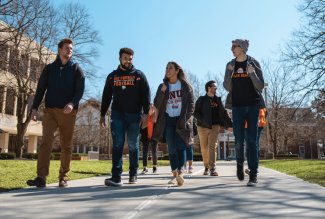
<point>174,103</point>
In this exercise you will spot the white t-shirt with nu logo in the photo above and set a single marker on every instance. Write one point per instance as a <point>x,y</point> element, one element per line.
<point>174,103</point>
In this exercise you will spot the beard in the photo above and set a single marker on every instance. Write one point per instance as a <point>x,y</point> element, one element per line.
<point>126,67</point>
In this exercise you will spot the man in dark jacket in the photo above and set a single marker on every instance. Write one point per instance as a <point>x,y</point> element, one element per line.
<point>63,82</point>
<point>244,81</point>
<point>129,89</point>
<point>210,115</point>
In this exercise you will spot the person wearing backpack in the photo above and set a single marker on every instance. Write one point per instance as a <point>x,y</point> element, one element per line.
<point>244,81</point>
<point>63,83</point>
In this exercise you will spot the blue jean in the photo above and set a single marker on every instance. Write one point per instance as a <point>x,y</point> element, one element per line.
<point>121,124</point>
<point>259,132</point>
<point>176,145</point>
<point>189,153</point>
<point>240,115</point>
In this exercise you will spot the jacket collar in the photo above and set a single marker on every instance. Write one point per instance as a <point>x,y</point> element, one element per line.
<point>132,69</point>
<point>58,62</point>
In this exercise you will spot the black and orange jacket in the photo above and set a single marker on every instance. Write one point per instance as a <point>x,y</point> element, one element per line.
<point>129,91</point>
<point>203,113</point>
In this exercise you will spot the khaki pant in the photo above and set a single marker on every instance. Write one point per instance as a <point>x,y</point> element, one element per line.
<point>208,139</point>
<point>52,120</point>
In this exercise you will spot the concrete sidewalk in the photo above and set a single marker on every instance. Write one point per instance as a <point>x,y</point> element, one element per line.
<point>276,196</point>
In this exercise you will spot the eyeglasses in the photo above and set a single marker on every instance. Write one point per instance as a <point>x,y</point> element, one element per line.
<point>234,46</point>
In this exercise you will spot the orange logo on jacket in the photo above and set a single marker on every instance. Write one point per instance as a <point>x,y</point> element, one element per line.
<point>241,73</point>
<point>124,81</point>
<point>214,104</point>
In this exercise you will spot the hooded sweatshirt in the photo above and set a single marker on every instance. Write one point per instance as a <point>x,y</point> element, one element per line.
<point>129,91</point>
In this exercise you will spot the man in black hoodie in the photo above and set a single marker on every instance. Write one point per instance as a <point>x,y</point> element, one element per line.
<point>63,84</point>
<point>129,89</point>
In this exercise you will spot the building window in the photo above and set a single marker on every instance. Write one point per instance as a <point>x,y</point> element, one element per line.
<point>10,101</point>
<point>2,94</point>
<point>33,69</point>
<point>36,68</point>
<point>12,143</point>
<point>13,60</point>
<point>23,66</point>
<point>3,57</point>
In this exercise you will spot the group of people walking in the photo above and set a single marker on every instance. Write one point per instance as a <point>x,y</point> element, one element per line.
<point>170,115</point>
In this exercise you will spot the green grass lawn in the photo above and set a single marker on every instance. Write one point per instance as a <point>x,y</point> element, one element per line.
<point>309,170</point>
<point>15,173</point>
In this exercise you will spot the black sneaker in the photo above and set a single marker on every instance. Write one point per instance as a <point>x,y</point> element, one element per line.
<point>252,181</point>
<point>133,179</point>
<point>113,182</point>
<point>63,183</point>
<point>240,172</point>
<point>38,182</point>
<point>154,170</point>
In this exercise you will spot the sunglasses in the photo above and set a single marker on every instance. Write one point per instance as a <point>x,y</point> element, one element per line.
<point>234,46</point>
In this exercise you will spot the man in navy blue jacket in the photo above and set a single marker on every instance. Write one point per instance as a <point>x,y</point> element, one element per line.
<point>63,84</point>
<point>128,88</point>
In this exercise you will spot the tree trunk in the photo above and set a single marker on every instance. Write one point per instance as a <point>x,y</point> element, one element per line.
<point>21,131</point>
<point>21,125</point>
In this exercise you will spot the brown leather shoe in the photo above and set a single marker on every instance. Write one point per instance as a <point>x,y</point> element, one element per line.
<point>63,183</point>
<point>213,172</point>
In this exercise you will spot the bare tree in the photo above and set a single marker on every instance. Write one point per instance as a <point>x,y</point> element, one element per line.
<point>197,85</point>
<point>18,36</point>
<point>29,32</point>
<point>318,104</point>
<point>75,20</point>
<point>305,53</point>
<point>280,97</point>
<point>5,8</point>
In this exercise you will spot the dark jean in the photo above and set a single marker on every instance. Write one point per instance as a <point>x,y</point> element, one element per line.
<point>240,115</point>
<point>176,145</point>
<point>145,143</point>
<point>259,132</point>
<point>189,153</point>
<point>121,124</point>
